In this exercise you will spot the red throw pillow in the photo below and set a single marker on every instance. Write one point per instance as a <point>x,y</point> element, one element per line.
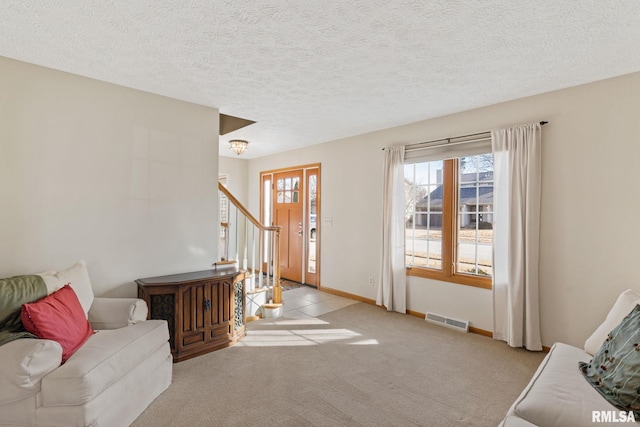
<point>58,317</point>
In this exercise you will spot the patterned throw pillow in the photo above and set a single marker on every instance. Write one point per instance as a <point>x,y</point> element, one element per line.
<point>614,370</point>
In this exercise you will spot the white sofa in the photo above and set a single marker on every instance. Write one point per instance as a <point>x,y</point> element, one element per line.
<point>108,381</point>
<point>558,394</point>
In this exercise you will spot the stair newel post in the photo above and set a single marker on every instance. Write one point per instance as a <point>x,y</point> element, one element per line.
<point>269,249</point>
<point>277,289</point>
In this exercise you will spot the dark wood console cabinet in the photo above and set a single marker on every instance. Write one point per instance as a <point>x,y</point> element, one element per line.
<point>204,309</point>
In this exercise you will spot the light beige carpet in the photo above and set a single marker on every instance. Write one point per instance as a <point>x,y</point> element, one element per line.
<point>357,366</point>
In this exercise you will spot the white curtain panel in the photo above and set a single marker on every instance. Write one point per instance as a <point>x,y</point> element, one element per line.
<point>392,289</point>
<point>517,182</point>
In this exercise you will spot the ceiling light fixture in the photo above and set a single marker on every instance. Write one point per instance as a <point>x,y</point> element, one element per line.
<point>238,146</point>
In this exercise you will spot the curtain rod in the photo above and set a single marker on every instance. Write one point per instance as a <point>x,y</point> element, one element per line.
<point>542,123</point>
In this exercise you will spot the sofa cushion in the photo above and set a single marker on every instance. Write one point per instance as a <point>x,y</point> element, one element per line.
<point>101,361</point>
<point>78,276</point>
<point>558,395</point>
<point>24,363</point>
<point>623,305</point>
<point>614,369</point>
<point>58,317</point>
<point>119,404</point>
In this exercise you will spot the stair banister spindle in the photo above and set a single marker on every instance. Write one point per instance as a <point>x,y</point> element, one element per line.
<point>245,262</point>
<point>269,260</point>
<point>267,268</point>
<point>260,256</point>
<point>253,254</point>
<point>237,239</point>
<point>230,235</point>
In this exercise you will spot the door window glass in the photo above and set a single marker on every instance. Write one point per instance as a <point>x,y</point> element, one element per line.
<point>312,222</point>
<point>288,190</point>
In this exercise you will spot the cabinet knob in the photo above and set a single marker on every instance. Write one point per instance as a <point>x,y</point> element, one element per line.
<point>207,304</point>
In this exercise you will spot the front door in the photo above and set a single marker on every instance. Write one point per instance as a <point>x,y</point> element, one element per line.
<point>288,210</point>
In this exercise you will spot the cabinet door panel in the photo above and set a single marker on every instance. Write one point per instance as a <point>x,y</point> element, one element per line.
<point>197,338</point>
<point>227,301</point>
<point>212,316</point>
<point>187,309</point>
<point>201,295</point>
<point>220,332</point>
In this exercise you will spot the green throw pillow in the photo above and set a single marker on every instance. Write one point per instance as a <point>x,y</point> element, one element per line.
<point>615,369</point>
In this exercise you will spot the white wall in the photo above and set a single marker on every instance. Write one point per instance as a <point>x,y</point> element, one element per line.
<point>589,236</point>
<point>236,170</point>
<point>89,170</point>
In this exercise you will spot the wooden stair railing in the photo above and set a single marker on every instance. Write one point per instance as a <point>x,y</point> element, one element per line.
<point>267,255</point>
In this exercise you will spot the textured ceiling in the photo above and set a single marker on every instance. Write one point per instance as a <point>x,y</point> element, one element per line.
<point>310,71</point>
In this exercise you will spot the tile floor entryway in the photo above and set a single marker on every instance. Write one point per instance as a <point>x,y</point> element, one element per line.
<point>306,302</point>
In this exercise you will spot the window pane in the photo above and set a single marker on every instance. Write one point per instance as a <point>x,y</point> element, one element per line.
<point>266,213</point>
<point>409,172</point>
<point>424,249</point>
<point>312,221</point>
<point>422,173</point>
<point>475,215</point>
<point>423,202</point>
<point>474,252</point>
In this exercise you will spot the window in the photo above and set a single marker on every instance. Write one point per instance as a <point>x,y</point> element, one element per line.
<point>223,203</point>
<point>288,190</point>
<point>449,219</point>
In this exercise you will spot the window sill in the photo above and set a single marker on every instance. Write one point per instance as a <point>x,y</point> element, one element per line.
<point>460,279</point>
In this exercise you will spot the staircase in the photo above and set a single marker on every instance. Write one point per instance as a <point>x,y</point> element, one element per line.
<point>247,244</point>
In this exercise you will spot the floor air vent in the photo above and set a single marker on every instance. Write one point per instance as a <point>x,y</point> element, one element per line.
<point>459,325</point>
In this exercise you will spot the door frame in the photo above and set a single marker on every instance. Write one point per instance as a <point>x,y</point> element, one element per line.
<point>269,174</point>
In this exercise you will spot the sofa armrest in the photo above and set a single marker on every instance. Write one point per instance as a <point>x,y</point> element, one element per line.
<point>513,421</point>
<point>25,362</point>
<point>114,313</point>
